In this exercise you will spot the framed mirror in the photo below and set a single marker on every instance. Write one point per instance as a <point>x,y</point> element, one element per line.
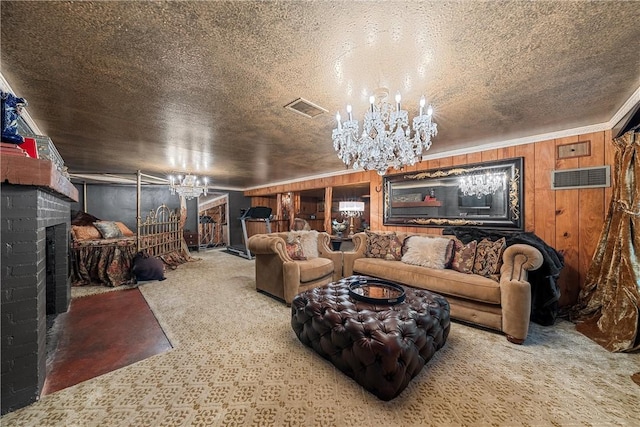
<point>478,195</point>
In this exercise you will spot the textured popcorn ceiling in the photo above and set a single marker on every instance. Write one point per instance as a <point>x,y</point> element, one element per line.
<point>200,86</point>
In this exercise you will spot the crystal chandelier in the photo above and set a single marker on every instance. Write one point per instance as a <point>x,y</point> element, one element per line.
<point>386,139</point>
<point>189,187</point>
<point>481,184</point>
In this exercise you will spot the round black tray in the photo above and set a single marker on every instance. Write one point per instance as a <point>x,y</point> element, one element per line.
<point>376,291</point>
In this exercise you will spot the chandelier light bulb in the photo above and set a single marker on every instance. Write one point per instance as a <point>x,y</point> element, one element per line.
<point>338,119</point>
<point>398,98</point>
<point>349,111</point>
<point>429,111</point>
<point>372,100</point>
<point>422,103</point>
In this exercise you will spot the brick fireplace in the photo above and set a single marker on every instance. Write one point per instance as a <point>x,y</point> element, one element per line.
<point>35,222</point>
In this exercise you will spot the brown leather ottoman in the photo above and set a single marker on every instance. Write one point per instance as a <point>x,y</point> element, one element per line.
<point>382,347</point>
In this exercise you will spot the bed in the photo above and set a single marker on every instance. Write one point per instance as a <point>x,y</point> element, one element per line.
<point>102,252</point>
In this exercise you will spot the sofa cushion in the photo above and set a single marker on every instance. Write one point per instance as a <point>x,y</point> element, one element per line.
<point>464,256</point>
<point>308,240</point>
<point>488,258</point>
<point>445,282</point>
<point>314,269</point>
<point>427,251</point>
<point>383,245</point>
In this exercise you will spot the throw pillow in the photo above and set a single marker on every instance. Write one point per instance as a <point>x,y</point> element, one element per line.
<point>426,251</point>
<point>147,267</point>
<point>489,257</point>
<point>126,232</point>
<point>464,256</point>
<point>83,218</point>
<point>85,232</point>
<point>383,245</point>
<point>448,258</point>
<point>108,229</point>
<point>308,240</point>
<point>294,250</point>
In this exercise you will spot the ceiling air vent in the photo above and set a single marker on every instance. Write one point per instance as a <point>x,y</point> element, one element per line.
<point>594,177</point>
<point>306,108</point>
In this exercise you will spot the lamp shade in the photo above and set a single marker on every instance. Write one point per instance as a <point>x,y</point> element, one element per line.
<point>351,207</point>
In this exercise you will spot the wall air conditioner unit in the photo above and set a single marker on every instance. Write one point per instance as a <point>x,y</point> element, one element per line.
<point>591,177</point>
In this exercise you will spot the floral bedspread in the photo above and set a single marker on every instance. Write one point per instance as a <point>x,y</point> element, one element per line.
<point>103,261</point>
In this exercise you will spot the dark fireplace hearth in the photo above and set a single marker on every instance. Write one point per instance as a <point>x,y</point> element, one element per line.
<point>35,223</point>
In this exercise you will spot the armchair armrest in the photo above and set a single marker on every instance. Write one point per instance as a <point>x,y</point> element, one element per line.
<point>349,257</point>
<point>325,251</point>
<point>517,260</point>
<point>515,290</point>
<point>268,244</point>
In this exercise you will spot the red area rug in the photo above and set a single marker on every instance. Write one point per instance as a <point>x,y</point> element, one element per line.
<point>99,334</point>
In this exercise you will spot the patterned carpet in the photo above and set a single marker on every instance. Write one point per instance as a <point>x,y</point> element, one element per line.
<point>236,362</point>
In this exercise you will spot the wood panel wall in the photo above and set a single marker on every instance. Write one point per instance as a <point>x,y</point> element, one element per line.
<point>568,220</point>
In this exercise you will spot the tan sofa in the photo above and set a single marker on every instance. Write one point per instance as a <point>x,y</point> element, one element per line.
<point>283,277</point>
<point>503,305</point>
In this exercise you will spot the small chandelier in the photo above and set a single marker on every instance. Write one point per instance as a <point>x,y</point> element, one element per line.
<point>189,187</point>
<point>386,139</point>
<point>481,184</point>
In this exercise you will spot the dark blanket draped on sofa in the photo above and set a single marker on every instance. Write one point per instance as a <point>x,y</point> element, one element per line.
<point>545,291</point>
<point>608,304</point>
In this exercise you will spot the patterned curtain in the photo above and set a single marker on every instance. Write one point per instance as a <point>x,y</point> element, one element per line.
<point>609,304</point>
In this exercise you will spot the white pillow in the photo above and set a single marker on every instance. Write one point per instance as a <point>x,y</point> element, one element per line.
<point>426,251</point>
<point>308,240</point>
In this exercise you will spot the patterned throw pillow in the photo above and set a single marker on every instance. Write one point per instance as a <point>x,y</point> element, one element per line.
<point>108,229</point>
<point>426,251</point>
<point>85,232</point>
<point>308,240</point>
<point>464,256</point>
<point>126,232</point>
<point>294,250</point>
<point>383,245</point>
<point>489,257</point>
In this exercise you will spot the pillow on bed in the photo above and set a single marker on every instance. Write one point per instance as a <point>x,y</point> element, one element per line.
<point>83,218</point>
<point>85,232</point>
<point>126,232</point>
<point>429,252</point>
<point>108,229</point>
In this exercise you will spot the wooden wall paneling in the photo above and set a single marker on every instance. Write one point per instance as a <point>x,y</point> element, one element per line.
<point>527,152</point>
<point>446,162</point>
<point>544,205</point>
<point>459,160</point>
<point>328,199</point>
<point>489,155</point>
<point>609,159</point>
<point>568,231</point>
<point>375,189</point>
<point>592,206</point>
<point>506,153</point>
<point>474,157</point>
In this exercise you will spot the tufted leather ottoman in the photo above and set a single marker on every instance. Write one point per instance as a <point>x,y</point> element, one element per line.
<point>382,347</point>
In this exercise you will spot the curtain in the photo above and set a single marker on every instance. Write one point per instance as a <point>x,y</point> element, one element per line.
<point>609,303</point>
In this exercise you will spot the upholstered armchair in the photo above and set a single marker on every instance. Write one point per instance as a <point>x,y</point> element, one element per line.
<point>289,263</point>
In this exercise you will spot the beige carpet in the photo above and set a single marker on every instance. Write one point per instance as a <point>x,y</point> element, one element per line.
<point>236,362</point>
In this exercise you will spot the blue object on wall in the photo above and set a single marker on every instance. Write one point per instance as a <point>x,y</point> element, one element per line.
<point>11,108</point>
